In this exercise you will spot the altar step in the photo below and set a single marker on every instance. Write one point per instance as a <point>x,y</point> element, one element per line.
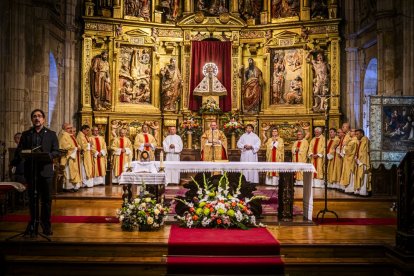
<point>85,258</point>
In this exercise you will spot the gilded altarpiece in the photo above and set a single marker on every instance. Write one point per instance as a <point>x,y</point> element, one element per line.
<point>295,48</point>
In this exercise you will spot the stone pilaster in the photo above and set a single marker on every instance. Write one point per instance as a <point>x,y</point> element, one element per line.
<point>386,48</point>
<point>408,42</point>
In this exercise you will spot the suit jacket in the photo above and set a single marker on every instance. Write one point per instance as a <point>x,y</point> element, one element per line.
<point>49,144</point>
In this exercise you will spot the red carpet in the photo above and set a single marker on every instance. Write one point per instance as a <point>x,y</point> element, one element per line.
<point>195,251</point>
<point>357,221</point>
<point>64,219</point>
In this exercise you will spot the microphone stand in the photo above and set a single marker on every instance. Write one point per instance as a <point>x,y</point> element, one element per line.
<point>325,175</point>
<point>34,171</point>
<point>212,145</point>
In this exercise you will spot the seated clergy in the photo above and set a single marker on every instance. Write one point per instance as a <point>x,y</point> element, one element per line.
<point>145,142</point>
<point>122,155</point>
<point>275,152</point>
<point>213,144</point>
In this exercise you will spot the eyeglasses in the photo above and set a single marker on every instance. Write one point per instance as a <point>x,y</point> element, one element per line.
<point>37,116</point>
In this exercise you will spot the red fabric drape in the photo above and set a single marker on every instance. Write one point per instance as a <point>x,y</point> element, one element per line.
<point>210,51</point>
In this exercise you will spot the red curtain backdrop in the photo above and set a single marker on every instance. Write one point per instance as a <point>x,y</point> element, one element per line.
<point>210,51</point>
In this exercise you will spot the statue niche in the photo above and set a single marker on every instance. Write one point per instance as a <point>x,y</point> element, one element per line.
<point>284,8</point>
<point>286,77</point>
<point>211,7</point>
<point>319,9</point>
<point>321,70</point>
<point>135,75</point>
<point>101,82</point>
<point>250,8</point>
<point>171,86</point>
<point>171,9</point>
<point>138,8</point>
<point>252,87</point>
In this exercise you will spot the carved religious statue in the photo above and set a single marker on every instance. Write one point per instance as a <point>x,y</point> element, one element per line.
<point>278,81</point>
<point>213,7</point>
<point>138,8</point>
<point>252,87</point>
<point>284,8</point>
<point>320,81</point>
<point>250,8</point>
<point>101,82</point>
<point>210,84</point>
<point>171,86</point>
<point>170,8</point>
<point>135,76</point>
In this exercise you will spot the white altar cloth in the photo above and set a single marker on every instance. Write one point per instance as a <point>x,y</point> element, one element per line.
<point>139,178</point>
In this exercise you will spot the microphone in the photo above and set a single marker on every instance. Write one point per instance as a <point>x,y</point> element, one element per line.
<point>37,149</point>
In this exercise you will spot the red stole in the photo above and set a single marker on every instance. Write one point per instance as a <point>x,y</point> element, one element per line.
<point>274,152</point>
<point>121,156</point>
<point>329,148</point>
<point>98,158</point>
<point>315,151</point>
<point>146,141</point>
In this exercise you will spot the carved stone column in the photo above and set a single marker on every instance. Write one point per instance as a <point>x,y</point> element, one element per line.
<point>352,95</point>
<point>187,7</point>
<point>234,6</point>
<point>305,11</point>
<point>408,44</point>
<point>386,48</point>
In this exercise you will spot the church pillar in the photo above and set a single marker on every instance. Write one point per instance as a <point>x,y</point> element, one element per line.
<point>352,102</point>
<point>13,92</point>
<point>86,65</point>
<point>408,44</point>
<point>386,48</point>
<point>71,93</point>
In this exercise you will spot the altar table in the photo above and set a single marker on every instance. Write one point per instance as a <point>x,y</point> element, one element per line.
<point>156,180</point>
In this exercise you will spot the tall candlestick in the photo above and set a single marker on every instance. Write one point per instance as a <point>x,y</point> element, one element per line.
<point>161,161</point>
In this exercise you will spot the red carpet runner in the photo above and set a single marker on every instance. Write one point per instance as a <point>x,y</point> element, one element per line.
<point>220,252</point>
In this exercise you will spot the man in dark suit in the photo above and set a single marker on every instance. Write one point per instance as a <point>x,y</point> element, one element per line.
<point>38,139</point>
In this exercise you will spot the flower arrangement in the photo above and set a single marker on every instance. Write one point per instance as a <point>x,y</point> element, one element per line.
<point>190,124</point>
<point>210,107</point>
<point>143,213</point>
<point>232,123</point>
<point>233,127</point>
<point>218,205</point>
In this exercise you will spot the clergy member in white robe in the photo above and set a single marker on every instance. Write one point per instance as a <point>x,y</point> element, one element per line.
<point>173,145</point>
<point>249,144</point>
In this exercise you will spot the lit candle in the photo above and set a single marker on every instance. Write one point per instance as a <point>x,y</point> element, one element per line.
<point>162,159</point>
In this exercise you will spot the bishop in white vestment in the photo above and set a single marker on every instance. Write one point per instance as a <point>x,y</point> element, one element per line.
<point>249,144</point>
<point>173,145</point>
